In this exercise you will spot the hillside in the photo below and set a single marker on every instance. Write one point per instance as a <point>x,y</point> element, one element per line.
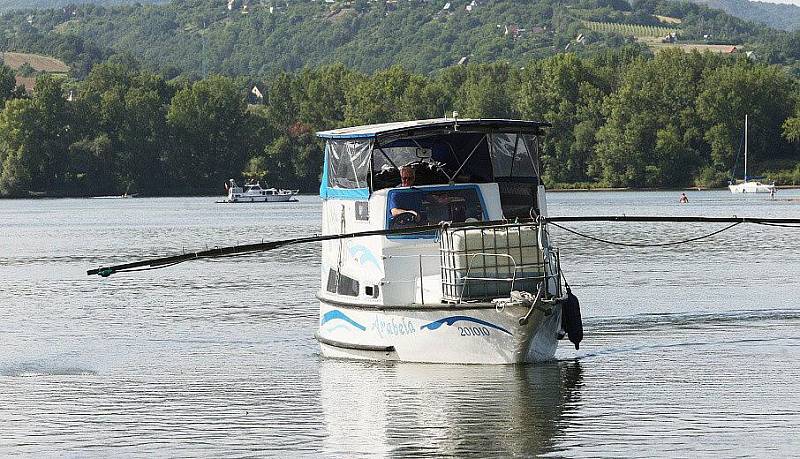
<point>779,16</point>
<point>255,37</point>
<point>7,5</point>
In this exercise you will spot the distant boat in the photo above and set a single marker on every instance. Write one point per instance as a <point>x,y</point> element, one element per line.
<point>253,192</point>
<point>749,186</point>
<point>120,196</point>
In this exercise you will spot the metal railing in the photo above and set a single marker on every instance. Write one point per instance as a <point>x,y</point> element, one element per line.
<point>489,262</point>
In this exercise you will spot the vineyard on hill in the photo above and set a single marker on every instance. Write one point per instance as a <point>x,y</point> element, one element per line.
<point>635,30</point>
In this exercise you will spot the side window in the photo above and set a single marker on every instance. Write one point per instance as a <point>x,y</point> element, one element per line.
<point>518,200</point>
<point>347,286</point>
<point>341,284</point>
<point>331,286</point>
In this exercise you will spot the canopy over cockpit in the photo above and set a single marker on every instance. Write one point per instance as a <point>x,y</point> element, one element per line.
<point>363,159</point>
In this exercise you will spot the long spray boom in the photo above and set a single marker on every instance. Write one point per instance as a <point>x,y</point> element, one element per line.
<point>238,250</point>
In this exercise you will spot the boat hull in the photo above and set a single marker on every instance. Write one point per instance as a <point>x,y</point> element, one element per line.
<point>267,198</point>
<point>751,187</point>
<point>450,334</point>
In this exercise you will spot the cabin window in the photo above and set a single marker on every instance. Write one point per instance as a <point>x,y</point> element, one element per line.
<point>458,158</point>
<point>371,290</point>
<point>434,205</point>
<point>348,163</point>
<point>513,155</point>
<point>516,172</point>
<point>341,284</point>
<point>331,286</point>
<point>347,286</point>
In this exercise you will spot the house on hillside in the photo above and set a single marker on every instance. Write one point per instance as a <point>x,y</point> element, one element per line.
<point>671,37</point>
<point>513,30</point>
<point>255,96</point>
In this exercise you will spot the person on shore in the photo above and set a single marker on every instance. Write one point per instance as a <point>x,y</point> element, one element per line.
<point>684,199</point>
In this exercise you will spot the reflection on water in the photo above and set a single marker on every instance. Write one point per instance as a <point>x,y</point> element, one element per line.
<point>689,350</point>
<point>371,408</point>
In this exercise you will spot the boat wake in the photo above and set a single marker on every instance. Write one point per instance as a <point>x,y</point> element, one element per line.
<point>33,370</point>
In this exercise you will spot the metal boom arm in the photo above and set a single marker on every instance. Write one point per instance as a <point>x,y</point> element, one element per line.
<point>246,249</point>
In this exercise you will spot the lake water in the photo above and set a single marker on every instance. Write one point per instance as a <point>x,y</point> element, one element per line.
<point>690,350</point>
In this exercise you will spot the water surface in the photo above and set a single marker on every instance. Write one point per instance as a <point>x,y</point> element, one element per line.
<point>690,349</point>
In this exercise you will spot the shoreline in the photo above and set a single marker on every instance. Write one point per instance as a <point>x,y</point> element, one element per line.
<point>605,189</point>
<point>549,190</point>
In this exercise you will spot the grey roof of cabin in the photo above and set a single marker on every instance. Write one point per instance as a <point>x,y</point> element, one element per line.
<point>436,124</point>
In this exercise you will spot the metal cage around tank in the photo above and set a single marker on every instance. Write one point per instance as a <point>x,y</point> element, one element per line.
<point>483,263</point>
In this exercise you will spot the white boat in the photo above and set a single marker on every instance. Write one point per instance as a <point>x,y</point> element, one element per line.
<point>746,185</point>
<point>476,292</point>
<point>253,192</point>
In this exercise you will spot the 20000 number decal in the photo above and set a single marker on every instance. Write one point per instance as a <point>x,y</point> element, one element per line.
<point>474,331</point>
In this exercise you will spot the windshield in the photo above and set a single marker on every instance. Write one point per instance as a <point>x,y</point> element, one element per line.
<point>410,207</point>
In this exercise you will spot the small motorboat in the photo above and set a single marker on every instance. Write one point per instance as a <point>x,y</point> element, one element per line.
<point>254,192</point>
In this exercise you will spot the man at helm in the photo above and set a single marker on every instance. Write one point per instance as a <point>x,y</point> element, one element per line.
<point>407,202</point>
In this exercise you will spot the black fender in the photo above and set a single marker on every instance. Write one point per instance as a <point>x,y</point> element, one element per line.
<point>571,320</point>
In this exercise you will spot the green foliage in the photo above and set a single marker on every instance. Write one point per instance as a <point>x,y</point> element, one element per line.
<point>198,37</point>
<point>620,118</point>
<point>26,70</point>
<point>791,129</point>
<point>730,93</point>
<point>212,137</point>
<point>37,4</point>
<point>7,83</point>
<point>779,16</point>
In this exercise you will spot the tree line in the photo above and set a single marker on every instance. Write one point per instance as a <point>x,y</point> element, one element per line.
<point>620,119</point>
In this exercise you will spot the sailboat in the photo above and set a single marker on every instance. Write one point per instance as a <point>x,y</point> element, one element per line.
<point>749,186</point>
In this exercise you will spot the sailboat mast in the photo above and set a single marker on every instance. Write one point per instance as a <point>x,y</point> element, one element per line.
<point>745,148</point>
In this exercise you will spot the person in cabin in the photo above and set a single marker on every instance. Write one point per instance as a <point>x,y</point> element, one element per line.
<point>684,199</point>
<point>407,202</point>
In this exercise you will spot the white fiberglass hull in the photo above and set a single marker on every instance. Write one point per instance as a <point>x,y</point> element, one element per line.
<point>751,187</point>
<point>268,198</point>
<point>442,335</point>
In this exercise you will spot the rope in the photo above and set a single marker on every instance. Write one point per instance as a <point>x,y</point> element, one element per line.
<point>633,244</point>
<point>777,224</point>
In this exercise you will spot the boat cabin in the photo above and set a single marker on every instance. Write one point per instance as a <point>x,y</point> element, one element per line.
<point>454,171</point>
